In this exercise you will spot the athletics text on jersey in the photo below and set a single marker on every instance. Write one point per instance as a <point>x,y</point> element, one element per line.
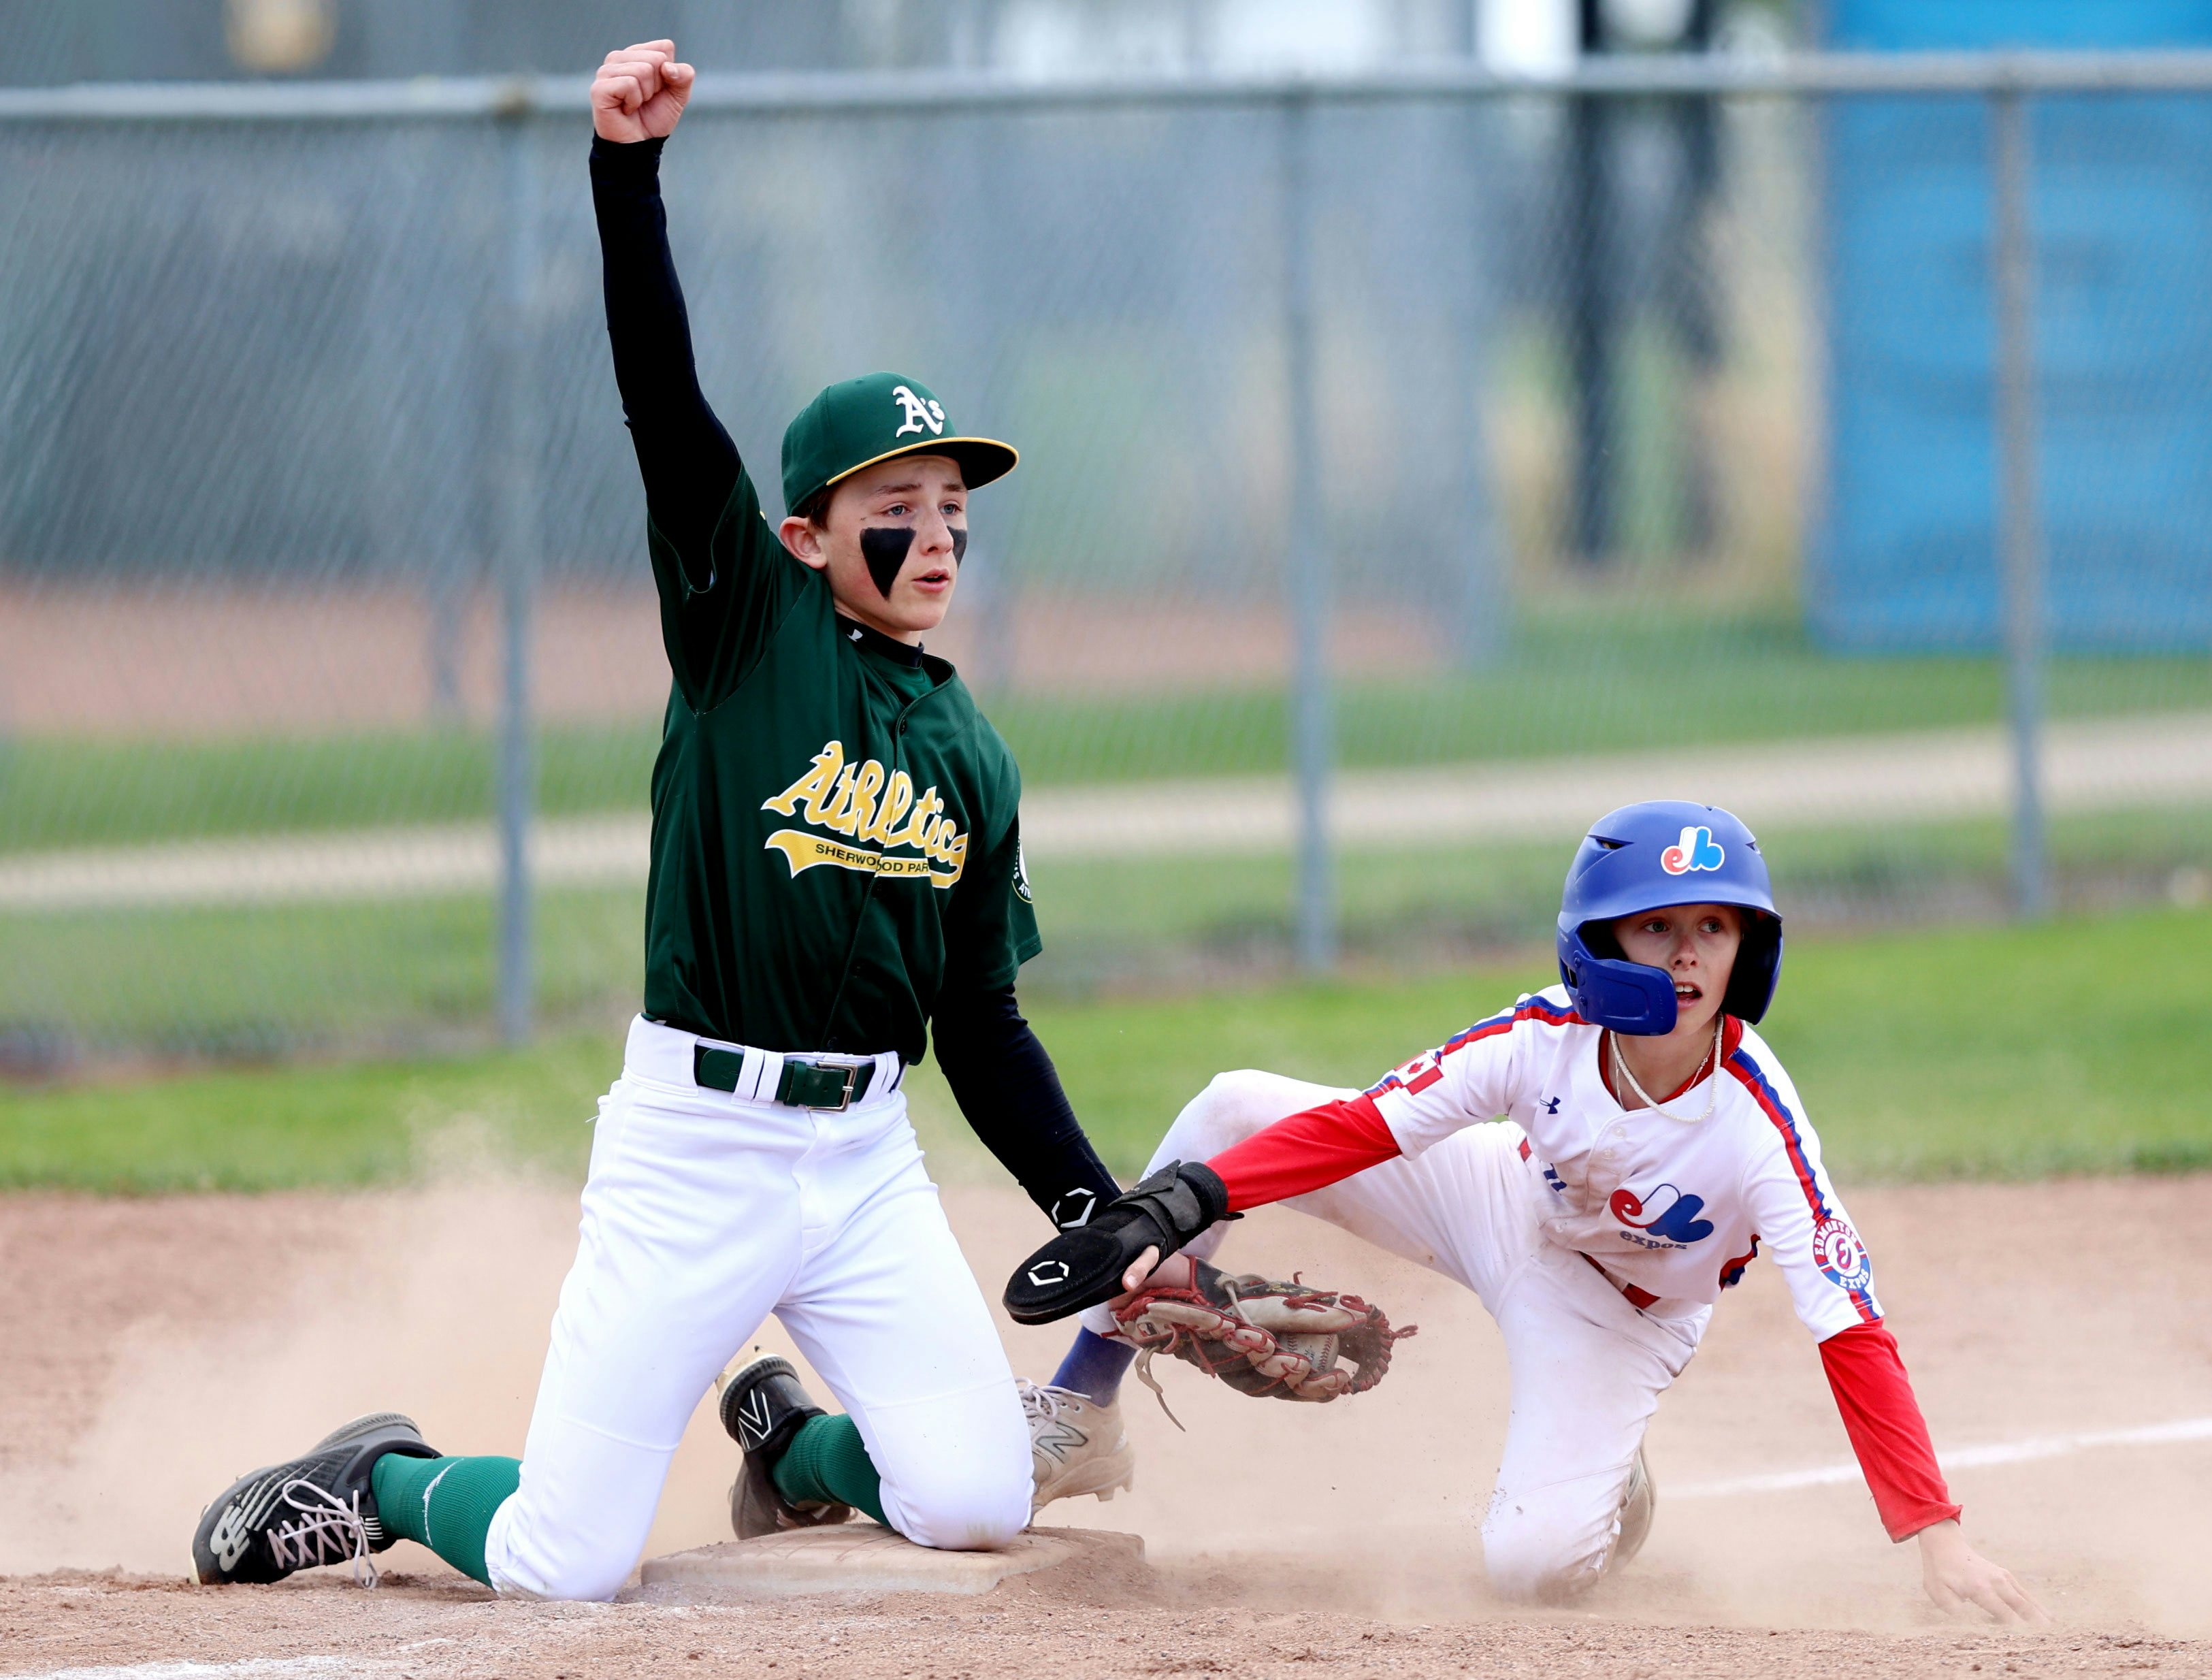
<point>901,833</point>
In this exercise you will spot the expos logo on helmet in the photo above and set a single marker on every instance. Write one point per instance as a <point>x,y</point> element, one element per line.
<point>1646,857</point>
<point>1696,849</point>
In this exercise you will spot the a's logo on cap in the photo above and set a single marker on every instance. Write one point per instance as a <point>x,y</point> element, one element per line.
<point>919,414</point>
<point>1696,849</point>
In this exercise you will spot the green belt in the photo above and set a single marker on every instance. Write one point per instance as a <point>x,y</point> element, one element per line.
<point>804,1084</point>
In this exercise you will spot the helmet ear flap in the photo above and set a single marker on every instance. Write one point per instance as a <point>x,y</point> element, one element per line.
<point>1609,991</point>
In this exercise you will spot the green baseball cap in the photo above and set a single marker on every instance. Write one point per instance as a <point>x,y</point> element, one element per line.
<point>876,418</point>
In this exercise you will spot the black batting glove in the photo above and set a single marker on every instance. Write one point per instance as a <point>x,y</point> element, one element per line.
<point>1083,1267</point>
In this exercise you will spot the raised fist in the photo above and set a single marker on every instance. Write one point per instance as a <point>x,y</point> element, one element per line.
<point>639,92</point>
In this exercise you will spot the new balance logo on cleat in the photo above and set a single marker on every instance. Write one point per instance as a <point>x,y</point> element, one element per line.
<point>229,1540</point>
<point>1057,1441</point>
<point>1076,1445</point>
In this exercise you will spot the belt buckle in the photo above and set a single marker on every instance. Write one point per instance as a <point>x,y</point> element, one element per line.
<point>851,1070</point>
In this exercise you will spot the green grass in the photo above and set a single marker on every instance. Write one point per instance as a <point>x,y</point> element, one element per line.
<point>2077,1046</point>
<point>1103,920</point>
<point>226,983</point>
<point>281,980</point>
<point>345,1125</point>
<point>1587,680</point>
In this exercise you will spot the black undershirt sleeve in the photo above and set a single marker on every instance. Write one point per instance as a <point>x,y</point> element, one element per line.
<point>688,461</point>
<point>1011,1095</point>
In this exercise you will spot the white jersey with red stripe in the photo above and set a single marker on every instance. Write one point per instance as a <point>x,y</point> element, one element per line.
<point>1675,1208</point>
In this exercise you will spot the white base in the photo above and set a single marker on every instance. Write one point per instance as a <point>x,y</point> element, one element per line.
<point>859,1556</point>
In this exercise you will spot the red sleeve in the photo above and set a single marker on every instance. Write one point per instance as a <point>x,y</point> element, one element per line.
<point>1308,1151</point>
<point>1887,1432</point>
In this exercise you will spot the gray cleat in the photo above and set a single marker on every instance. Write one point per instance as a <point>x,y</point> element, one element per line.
<point>1076,1445</point>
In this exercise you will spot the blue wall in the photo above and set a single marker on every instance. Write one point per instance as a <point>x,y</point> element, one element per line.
<point>2122,217</point>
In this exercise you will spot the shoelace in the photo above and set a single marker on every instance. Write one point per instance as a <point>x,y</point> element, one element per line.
<point>1042,1401</point>
<point>329,1529</point>
<point>1712,1096</point>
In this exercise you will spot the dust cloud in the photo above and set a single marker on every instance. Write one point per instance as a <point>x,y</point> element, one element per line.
<point>170,1344</point>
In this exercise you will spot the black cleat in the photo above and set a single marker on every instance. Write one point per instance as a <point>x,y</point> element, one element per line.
<point>316,1509</point>
<point>763,1408</point>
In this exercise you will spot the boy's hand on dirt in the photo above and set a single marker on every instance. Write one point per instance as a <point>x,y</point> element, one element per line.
<point>1957,1575</point>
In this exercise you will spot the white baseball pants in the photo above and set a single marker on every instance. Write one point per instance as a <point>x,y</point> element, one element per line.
<point>1587,1368</point>
<point>703,1212</point>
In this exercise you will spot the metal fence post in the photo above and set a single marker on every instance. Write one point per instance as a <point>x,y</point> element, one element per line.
<point>2020,525</point>
<point>1307,570</point>
<point>1478,636</point>
<point>517,511</point>
<point>1591,328</point>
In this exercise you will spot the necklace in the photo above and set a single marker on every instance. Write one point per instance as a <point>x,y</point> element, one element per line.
<point>1713,1058</point>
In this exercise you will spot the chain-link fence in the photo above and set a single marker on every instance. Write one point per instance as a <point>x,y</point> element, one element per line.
<point>1412,469</point>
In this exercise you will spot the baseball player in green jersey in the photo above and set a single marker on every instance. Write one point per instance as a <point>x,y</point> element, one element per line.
<point>836,874</point>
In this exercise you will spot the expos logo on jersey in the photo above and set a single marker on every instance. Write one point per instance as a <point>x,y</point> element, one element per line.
<point>1667,1218</point>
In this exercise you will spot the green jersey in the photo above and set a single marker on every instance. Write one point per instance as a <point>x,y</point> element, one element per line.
<point>835,840</point>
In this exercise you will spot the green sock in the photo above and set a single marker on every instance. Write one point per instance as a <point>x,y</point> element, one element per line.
<point>445,1504</point>
<point>827,1463</point>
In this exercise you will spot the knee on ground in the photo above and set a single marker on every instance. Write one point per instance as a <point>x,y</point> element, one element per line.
<point>1535,1556</point>
<point>943,1510</point>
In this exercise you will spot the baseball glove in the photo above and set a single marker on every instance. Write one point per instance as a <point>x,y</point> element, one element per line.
<point>1283,1340</point>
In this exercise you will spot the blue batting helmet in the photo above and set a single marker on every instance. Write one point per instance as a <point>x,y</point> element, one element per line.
<point>1648,856</point>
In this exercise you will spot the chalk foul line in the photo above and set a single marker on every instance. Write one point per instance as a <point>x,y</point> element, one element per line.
<point>250,1668</point>
<point>1965,1458</point>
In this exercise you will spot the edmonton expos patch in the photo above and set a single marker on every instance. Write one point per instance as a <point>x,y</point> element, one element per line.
<point>1839,1254</point>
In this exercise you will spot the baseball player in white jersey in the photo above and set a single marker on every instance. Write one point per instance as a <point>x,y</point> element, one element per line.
<point>1651,1150</point>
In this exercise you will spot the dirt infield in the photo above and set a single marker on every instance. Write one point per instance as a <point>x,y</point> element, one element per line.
<point>156,1347</point>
